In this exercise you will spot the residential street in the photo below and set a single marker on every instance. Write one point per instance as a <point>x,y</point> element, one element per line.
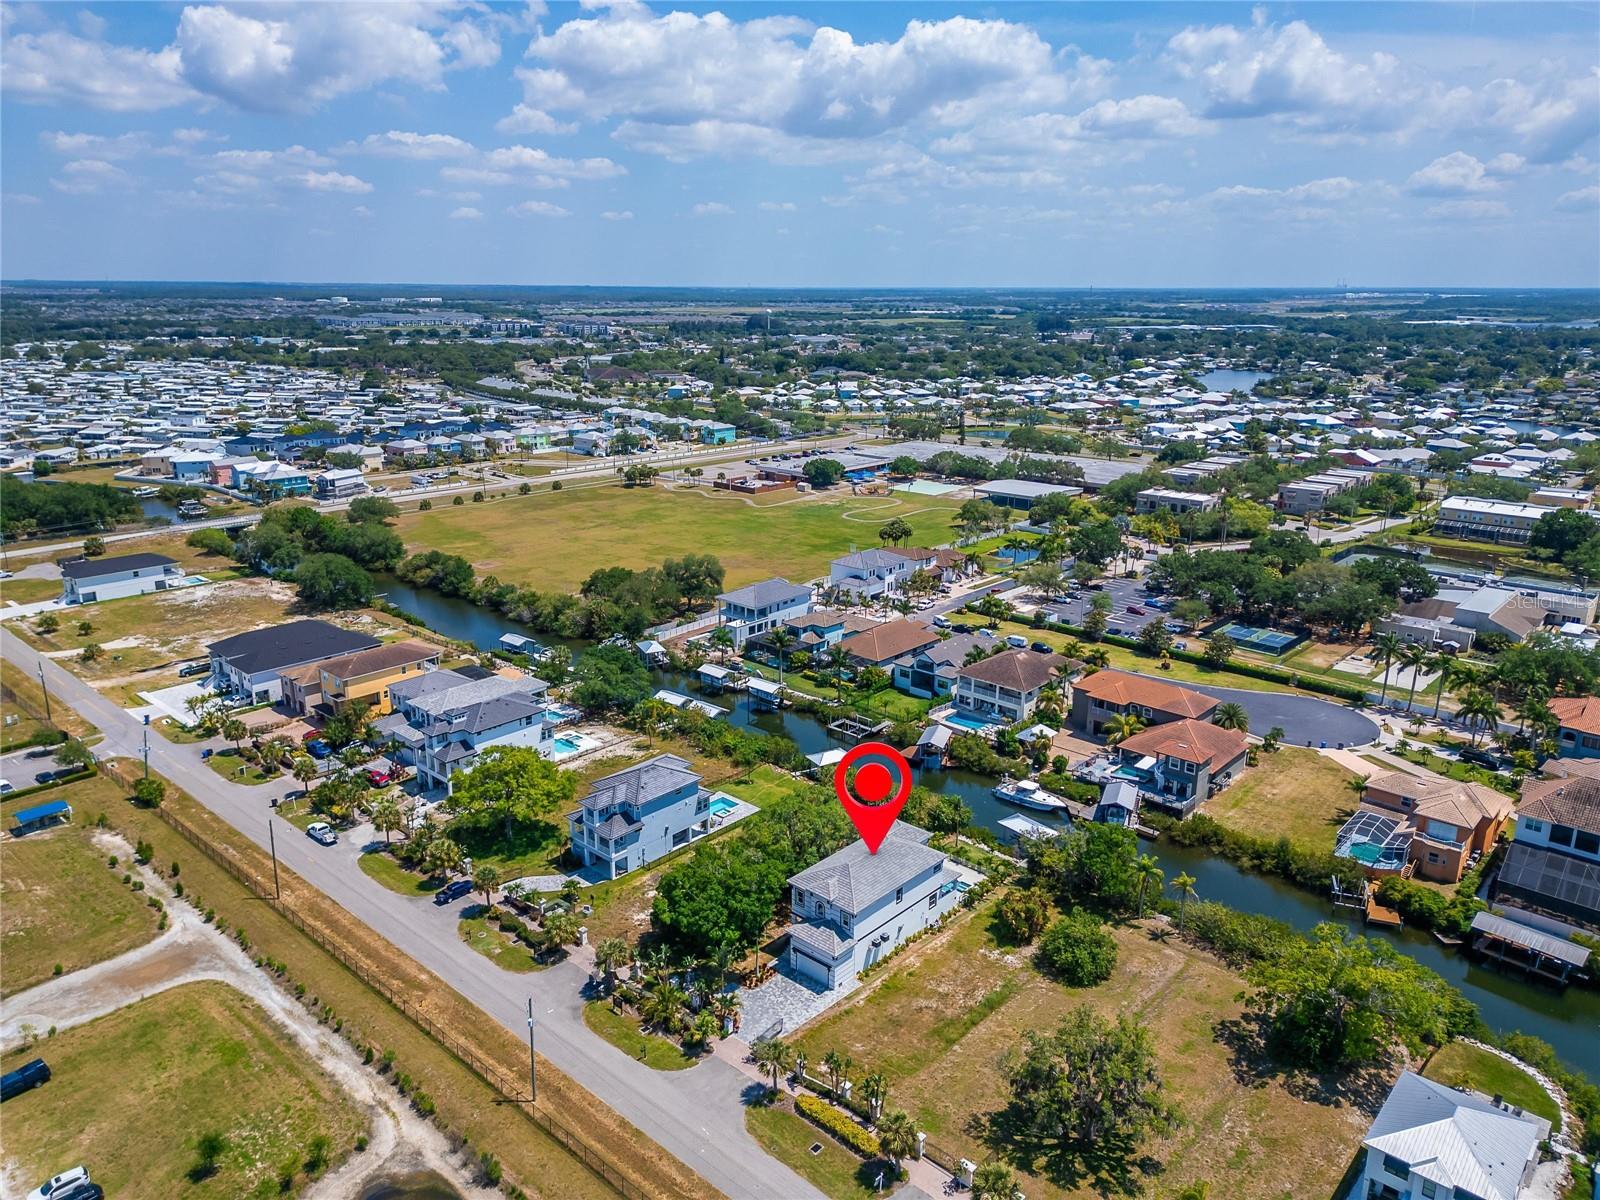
<point>695,1114</point>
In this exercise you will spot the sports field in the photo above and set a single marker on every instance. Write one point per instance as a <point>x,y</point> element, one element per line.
<point>554,540</point>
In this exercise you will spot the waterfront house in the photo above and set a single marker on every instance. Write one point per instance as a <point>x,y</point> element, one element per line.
<point>1553,863</point>
<point>882,644</point>
<point>752,611</point>
<point>1578,721</point>
<point>250,666</point>
<point>1180,764</point>
<point>1005,687</point>
<point>639,814</point>
<point>1450,823</point>
<point>1099,697</point>
<point>1434,1142</point>
<point>444,720</point>
<point>854,907</point>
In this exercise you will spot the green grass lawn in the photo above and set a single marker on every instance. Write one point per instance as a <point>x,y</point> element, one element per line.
<point>959,1002</point>
<point>657,1053</point>
<point>22,698</point>
<point>235,769</point>
<point>555,540</point>
<point>1461,1065</point>
<point>1294,793</point>
<point>59,900</point>
<point>505,951</point>
<point>377,865</point>
<point>131,1093</point>
<point>766,784</point>
<point>833,1170</point>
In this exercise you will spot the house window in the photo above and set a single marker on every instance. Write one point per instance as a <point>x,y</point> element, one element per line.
<point>1395,1167</point>
<point>1533,826</point>
<point>1430,1189</point>
<point>822,908</point>
<point>1561,835</point>
<point>899,895</point>
<point>1587,843</point>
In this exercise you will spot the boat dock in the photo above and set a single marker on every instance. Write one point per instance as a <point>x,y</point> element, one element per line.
<point>1377,914</point>
<point>853,729</point>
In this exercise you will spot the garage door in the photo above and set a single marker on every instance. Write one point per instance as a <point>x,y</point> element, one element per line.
<point>810,966</point>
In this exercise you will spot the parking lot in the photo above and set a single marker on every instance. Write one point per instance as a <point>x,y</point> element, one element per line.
<point>1124,593</point>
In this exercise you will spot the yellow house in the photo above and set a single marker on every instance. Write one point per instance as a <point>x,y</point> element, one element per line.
<point>365,676</point>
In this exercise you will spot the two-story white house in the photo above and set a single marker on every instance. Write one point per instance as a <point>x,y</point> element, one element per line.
<point>639,814</point>
<point>444,720</point>
<point>869,573</point>
<point>1005,687</point>
<point>86,580</point>
<point>1432,1142</point>
<point>749,612</point>
<point>854,907</point>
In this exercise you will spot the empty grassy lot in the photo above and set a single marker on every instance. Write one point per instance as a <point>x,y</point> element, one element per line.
<point>1294,793</point>
<point>1461,1065</point>
<point>555,540</point>
<point>59,901</point>
<point>132,1091</point>
<point>959,1002</point>
<point>22,697</point>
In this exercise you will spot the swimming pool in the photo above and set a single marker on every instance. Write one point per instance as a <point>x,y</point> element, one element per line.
<point>721,806</point>
<point>568,745</point>
<point>966,722</point>
<point>1128,773</point>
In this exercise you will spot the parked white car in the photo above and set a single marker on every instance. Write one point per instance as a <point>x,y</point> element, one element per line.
<point>61,1185</point>
<point>321,831</point>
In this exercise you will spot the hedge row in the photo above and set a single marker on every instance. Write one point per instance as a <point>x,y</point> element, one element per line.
<point>843,1127</point>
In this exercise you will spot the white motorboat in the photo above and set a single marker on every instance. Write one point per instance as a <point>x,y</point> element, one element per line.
<point>1025,793</point>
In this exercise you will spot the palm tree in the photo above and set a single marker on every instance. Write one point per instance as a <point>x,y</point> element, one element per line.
<point>443,857</point>
<point>235,731</point>
<point>1150,876</point>
<point>1386,646</point>
<point>304,770</point>
<point>1232,715</point>
<point>1477,706</point>
<point>897,1135</point>
<point>1097,657</point>
<point>1451,672</point>
<point>773,1057</point>
<point>485,879</point>
<point>1414,658</point>
<point>875,1090</point>
<point>1358,785</point>
<point>1122,727</point>
<point>837,1066</point>
<point>702,1029</point>
<point>1184,886</point>
<point>611,953</point>
<point>994,1181</point>
<point>387,817</point>
<point>560,929</point>
<point>727,1005</point>
<point>780,639</point>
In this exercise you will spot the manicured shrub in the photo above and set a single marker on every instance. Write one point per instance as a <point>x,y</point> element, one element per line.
<point>1077,950</point>
<point>836,1122</point>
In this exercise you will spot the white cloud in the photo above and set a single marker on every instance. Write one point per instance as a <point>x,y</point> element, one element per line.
<point>1470,210</point>
<point>95,145</point>
<point>20,198</point>
<point>540,162</point>
<point>711,208</point>
<point>1456,174</point>
<point>776,206</point>
<point>1579,200</point>
<point>83,176</point>
<point>523,119</point>
<point>53,67</point>
<point>537,208</point>
<point>614,215</point>
<point>787,78</point>
<point>1553,117</point>
<point>466,214</point>
<point>361,210</point>
<point>397,143</point>
<point>332,181</point>
<point>264,160</point>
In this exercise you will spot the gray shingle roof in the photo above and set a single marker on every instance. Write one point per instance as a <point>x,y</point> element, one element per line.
<point>855,878</point>
<point>768,591</point>
<point>639,784</point>
<point>821,937</point>
<point>288,645</point>
<point>92,568</point>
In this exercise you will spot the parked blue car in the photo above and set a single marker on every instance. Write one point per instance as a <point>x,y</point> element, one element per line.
<point>318,749</point>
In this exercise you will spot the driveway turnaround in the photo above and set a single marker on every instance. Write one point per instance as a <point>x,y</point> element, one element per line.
<point>1306,721</point>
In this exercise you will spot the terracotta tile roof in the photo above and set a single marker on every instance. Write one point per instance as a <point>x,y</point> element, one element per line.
<point>888,641</point>
<point>1123,687</point>
<point>1188,741</point>
<point>1574,802</point>
<point>386,657</point>
<point>1578,712</point>
<point>1020,670</point>
<point>1460,804</point>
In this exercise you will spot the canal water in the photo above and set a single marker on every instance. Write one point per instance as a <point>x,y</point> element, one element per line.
<point>1569,1020</point>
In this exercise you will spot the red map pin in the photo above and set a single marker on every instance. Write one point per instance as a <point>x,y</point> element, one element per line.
<point>883,782</point>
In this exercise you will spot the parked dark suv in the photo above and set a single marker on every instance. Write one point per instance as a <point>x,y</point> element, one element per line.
<point>452,891</point>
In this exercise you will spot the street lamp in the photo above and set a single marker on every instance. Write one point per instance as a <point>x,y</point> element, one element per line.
<point>533,1061</point>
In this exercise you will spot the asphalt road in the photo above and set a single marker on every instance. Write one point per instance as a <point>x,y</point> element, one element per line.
<point>696,1114</point>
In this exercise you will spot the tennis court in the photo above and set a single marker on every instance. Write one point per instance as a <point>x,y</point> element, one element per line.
<point>1263,641</point>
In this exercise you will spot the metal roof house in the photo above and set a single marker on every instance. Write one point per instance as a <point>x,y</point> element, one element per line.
<point>1432,1140</point>
<point>250,665</point>
<point>854,907</point>
<point>749,612</point>
<point>637,815</point>
<point>86,580</point>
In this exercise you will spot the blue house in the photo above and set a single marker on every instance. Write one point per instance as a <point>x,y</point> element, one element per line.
<point>639,814</point>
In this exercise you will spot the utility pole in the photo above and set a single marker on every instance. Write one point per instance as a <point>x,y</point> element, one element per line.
<point>147,746</point>
<point>533,1061</point>
<point>48,719</point>
<point>272,842</point>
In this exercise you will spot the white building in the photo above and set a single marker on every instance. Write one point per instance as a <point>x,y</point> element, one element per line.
<point>1431,1142</point>
<point>250,665</point>
<point>86,580</point>
<point>760,608</point>
<point>639,814</point>
<point>445,720</point>
<point>854,907</point>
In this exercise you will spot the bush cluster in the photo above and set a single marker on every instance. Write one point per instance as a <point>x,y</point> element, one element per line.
<point>836,1122</point>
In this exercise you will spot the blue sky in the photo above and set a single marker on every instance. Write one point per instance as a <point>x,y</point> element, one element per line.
<point>870,144</point>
